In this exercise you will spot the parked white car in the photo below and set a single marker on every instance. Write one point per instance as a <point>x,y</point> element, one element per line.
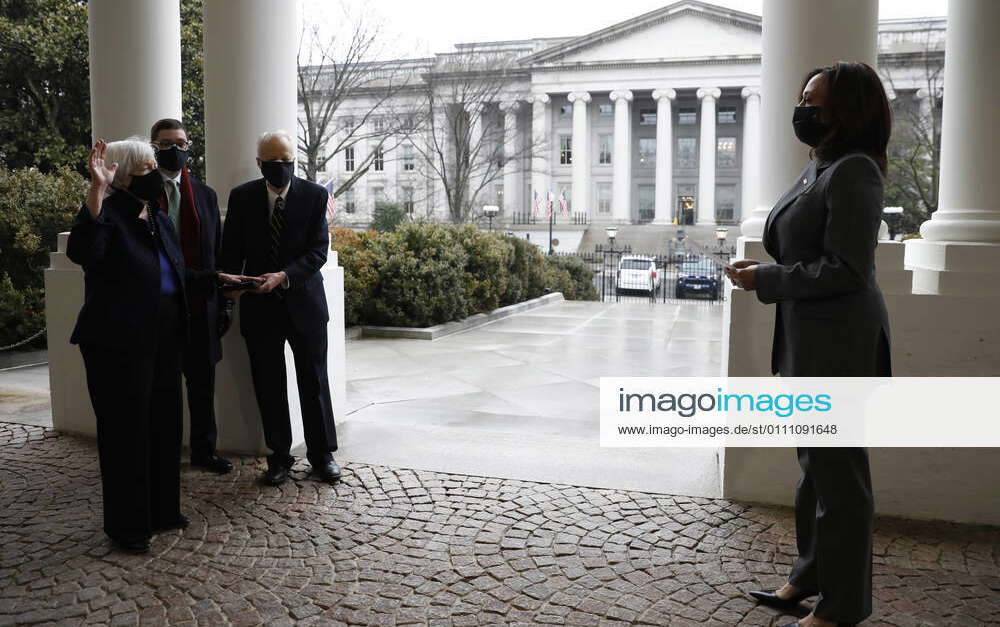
<point>638,272</point>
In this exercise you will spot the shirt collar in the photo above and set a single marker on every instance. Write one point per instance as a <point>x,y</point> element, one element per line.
<point>176,179</point>
<point>271,194</point>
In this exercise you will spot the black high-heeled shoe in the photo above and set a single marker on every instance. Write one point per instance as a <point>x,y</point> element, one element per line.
<point>773,600</point>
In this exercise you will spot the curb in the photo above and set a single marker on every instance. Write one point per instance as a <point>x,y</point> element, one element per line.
<point>448,328</point>
<point>16,359</point>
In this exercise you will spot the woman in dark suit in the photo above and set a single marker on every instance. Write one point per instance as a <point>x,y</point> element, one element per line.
<point>830,321</point>
<point>130,330</point>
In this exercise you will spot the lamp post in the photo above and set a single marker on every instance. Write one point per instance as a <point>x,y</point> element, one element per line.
<point>612,233</point>
<point>491,211</point>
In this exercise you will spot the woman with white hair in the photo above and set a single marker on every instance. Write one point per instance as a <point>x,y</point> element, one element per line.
<point>130,331</point>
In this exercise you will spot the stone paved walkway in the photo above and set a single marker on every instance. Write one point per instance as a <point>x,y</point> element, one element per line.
<point>392,546</point>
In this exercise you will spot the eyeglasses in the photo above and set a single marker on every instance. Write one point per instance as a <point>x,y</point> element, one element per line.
<point>167,145</point>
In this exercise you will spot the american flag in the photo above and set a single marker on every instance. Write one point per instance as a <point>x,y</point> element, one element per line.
<point>330,202</point>
<point>563,204</point>
<point>535,203</point>
<point>552,198</point>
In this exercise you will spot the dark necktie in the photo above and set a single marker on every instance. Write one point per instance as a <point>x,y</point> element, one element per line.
<point>277,225</point>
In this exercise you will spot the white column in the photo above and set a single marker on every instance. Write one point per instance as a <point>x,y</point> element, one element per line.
<point>664,154</point>
<point>706,156</point>
<point>135,66</point>
<point>541,146</point>
<point>960,250</point>
<point>621,157</point>
<point>580,203</point>
<point>925,106</point>
<point>750,170</point>
<point>250,84</point>
<point>796,37</point>
<point>511,154</point>
<point>477,156</point>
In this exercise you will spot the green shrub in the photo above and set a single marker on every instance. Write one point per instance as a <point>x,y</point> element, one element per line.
<point>421,269</point>
<point>387,217</point>
<point>571,276</point>
<point>34,208</point>
<point>486,276</point>
<point>356,255</point>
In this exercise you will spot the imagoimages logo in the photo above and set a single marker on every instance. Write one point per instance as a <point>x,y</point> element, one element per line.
<point>688,404</point>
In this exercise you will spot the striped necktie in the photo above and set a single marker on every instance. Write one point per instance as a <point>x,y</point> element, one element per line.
<point>277,225</point>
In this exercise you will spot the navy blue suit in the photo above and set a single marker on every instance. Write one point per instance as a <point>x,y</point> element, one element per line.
<point>204,346</point>
<point>297,314</point>
<point>130,334</point>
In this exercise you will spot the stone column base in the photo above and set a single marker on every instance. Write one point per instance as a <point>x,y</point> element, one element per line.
<point>954,268</point>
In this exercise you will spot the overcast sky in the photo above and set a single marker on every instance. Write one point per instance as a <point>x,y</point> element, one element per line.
<point>423,27</point>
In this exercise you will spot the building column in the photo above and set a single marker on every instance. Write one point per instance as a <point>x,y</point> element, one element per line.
<point>750,170</point>
<point>511,156</point>
<point>792,43</point>
<point>541,148</point>
<point>925,105</point>
<point>706,156</point>
<point>477,155</point>
<point>249,89</point>
<point>960,250</point>
<point>664,154</point>
<point>135,49</point>
<point>580,202</point>
<point>621,158</point>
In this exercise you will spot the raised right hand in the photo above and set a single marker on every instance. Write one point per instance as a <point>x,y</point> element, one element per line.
<point>100,173</point>
<point>744,263</point>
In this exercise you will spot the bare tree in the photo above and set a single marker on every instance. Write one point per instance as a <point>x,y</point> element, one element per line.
<point>464,148</point>
<point>352,64</point>
<point>915,147</point>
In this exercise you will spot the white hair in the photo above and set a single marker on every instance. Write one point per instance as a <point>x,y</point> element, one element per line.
<point>129,154</point>
<point>268,136</point>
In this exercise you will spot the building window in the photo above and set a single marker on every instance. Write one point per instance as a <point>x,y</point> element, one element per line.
<point>647,117</point>
<point>647,150</point>
<point>687,152</point>
<point>604,154</point>
<point>727,115</point>
<point>408,122</point>
<point>347,123</point>
<point>498,194</point>
<point>725,151</point>
<point>407,157</point>
<point>379,161</point>
<point>380,124</point>
<point>604,198</point>
<point>687,115</point>
<point>565,149</point>
<point>566,111</point>
<point>725,203</point>
<point>605,110</point>
<point>377,195</point>
<point>408,200</point>
<point>349,159</point>
<point>349,201</point>
<point>647,203</point>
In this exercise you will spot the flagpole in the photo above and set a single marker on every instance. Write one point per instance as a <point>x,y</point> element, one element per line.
<point>551,218</point>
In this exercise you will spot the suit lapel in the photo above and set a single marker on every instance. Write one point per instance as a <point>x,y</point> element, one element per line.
<point>804,182</point>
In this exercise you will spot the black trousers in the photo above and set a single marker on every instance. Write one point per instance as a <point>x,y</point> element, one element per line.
<point>267,368</point>
<point>137,402</point>
<point>199,376</point>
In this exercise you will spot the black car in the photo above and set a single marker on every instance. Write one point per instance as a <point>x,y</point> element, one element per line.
<point>698,278</point>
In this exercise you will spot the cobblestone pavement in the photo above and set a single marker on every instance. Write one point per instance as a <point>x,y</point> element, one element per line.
<point>391,546</point>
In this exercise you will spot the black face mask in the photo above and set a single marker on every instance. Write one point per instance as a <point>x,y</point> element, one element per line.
<point>808,128</point>
<point>147,187</point>
<point>172,159</point>
<point>277,173</point>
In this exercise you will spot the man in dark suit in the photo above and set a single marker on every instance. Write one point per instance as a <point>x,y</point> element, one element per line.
<point>193,210</point>
<point>276,229</point>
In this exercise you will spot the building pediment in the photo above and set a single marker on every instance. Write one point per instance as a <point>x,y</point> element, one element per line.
<point>687,29</point>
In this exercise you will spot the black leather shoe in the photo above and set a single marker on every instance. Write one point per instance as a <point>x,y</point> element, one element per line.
<point>132,546</point>
<point>773,600</point>
<point>181,522</point>
<point>275,475</point>
<point>213,463</point>
<point>328,471</point>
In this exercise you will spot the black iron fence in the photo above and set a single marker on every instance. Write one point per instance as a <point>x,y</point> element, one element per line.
<point>682,274</point>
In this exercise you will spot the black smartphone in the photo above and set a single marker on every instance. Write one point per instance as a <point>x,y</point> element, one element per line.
<point>235,287</point>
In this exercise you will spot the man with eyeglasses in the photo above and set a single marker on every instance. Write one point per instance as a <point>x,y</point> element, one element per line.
<point>193,210</point>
